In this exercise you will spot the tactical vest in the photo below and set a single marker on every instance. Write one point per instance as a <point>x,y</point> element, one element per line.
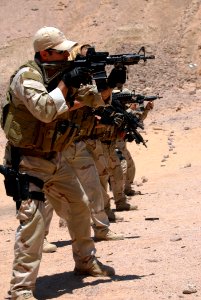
<point>23,130</point>
<point>86,121</point>
<point>107,133</point>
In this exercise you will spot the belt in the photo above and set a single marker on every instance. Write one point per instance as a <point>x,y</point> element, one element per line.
<point>106,142</point>
<point>87,137</point>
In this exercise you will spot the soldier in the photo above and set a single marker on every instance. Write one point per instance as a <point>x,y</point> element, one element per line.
<point>126,159</point>
<point>108,139</point>
<point>108,136</point>
<point>34,121</point>
<point>114,168</point>
<point>84,158</point>
<point>128,167</point>
<point>94,145</point>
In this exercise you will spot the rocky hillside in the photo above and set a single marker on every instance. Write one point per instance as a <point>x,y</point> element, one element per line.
<point>169,29</point>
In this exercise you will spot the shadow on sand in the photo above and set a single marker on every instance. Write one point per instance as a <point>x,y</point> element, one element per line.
<point>50,287</point>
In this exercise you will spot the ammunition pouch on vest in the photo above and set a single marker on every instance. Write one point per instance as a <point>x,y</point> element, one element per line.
<point>107,133</point>
<point>23,130</point>
<point>86,121</point>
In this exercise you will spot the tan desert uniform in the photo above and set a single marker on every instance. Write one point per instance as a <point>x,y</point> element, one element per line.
<point>93,143</point>
<point>105,159</point>
<point>83,162</point>
<point>108,136</point>
<point>128,166</point>
<point>113,165</point>
<point>34,111</point>
<point>85,156</point>
<point>94,146</point>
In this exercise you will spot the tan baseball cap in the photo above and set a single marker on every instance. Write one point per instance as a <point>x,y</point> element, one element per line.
<point>51,37</point>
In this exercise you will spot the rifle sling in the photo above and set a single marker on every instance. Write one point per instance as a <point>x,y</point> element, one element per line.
<point>40,196</point>
<point>37,196</point>
<point>37,181</point>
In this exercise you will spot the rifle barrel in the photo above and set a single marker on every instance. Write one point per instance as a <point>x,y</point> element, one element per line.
<point>127,59</point>
<point>151,98</point>
<point>133,98</point>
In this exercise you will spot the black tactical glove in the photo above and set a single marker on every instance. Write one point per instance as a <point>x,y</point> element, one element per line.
<point>135,136</point>
<point>117,76</point>
<point>76,77</point>
<point>129,137</point>
<point>106,113</point>
<point>109,116</point>
<point>118,119</point>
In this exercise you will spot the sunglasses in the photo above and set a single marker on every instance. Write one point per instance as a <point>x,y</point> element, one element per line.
<point>58,51</point>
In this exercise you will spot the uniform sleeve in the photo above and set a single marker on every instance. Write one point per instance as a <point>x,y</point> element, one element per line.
<point>90,96</point>
<point>28,88</point>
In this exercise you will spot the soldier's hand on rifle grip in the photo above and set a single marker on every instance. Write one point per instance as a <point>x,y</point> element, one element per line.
<point>150,105</point>
<point>129,137</point>
<point>76,77</point>
<point>118,119</point>
<point>117,76</point>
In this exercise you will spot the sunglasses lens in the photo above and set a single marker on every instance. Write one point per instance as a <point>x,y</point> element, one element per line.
<point>58,51</point>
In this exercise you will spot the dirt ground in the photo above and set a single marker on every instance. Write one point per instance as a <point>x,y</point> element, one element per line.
<point>158,259</point>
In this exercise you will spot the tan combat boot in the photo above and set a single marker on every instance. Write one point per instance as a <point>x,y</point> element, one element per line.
<point>25,296</point>
<point>131,192</point>
<point>48,247</point>
<point>124,206</point>
<point>96,270</point>
<point>112,217</point>
<point>105,234</point>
